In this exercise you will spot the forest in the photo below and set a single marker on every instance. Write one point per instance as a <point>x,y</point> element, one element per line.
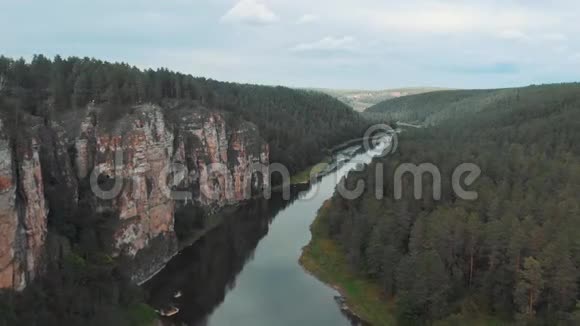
<point>299,125</point>
<point>82,284</point>
<point>434,107</point>
<point>513,254</point>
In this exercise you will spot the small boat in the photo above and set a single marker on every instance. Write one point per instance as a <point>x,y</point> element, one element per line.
<point>177,294</point>
<point>168,312</point>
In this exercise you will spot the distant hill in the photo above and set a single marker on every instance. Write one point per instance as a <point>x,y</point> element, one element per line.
<point>434,107</point>
<point>363,99</point>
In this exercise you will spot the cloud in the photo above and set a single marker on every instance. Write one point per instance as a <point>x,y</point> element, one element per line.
<point>537,38</point>
<point>512,34</point>
<point>251,12</point>
<point>575,57</point>
<point>391,42</point>
<point>494,68</point>
<point>556,37</point>
<point>455,18</point>
<point>326,44</point>
<point>307,19</point>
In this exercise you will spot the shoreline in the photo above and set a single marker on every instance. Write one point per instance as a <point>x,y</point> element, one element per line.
<point>321,259</point>
<point>194,237</point>
<point>341,299</point>
<point>319,169</point>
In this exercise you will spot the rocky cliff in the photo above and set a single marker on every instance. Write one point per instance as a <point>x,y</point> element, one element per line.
<point>23,210</point>
<point>135,171</point>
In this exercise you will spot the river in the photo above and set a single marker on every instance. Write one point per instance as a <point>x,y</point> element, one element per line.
<point>246,271</point>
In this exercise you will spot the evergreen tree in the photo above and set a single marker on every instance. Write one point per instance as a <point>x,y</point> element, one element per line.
<point>422,286</point>
<point>560,276</point>
<point>82,90</point>
<point>529,287</point>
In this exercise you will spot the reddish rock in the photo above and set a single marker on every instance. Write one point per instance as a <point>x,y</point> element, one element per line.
<point>216,158</point>
<point>5,183</point>
<point>23,223</point>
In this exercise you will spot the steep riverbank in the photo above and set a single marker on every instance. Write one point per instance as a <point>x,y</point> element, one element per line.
<point>323,259</point>
<point>360,297</point>
<point>245,272</point>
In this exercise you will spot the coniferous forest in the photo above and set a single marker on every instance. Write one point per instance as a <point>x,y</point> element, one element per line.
<point>82,284</point>
<point>514,252</point>
<point>218,163</point>
<point>299,125</point>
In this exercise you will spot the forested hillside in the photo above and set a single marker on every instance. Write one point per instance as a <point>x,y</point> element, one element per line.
<point>298,125</point>
<point>435,107</point>
<point>82,283</point>
<point>514,253</point>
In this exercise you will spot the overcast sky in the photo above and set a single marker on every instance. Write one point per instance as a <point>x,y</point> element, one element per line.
<point>371,44</point>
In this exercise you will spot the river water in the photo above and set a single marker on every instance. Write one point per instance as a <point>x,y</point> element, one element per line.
<point>246,271</point>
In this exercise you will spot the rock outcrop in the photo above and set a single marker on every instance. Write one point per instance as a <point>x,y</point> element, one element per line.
<point>136,171</point>
<point>23,210</point>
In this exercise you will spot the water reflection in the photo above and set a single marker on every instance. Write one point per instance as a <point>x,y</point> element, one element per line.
<point>272,289</point>
<point>202,274</point>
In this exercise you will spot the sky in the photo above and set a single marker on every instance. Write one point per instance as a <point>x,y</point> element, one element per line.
<point>350,44</point>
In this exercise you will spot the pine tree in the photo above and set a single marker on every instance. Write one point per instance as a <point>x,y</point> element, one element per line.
<point>560,275</point>
<point>389,263</point>
<point>375,253</point>
<point>4,71</point>
<point>423,287</point>
<point>58,85</point>
<point>81,91</point>
<point>473,243</point>
<point>529,287</point>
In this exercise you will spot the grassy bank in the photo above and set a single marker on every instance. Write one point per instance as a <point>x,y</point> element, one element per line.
<point>304,176</point>
<point>322,258</point>
<point>327,262</point>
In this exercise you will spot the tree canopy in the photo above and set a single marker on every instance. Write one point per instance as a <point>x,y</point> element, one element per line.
<point>513,252</point>
<point>298,124</point>
<point>82,285</point>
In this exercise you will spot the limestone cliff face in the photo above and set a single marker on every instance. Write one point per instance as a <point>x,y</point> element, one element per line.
<point>219,159</point>
<point>134,153</point>
<point>23,223</point>
<point>136,170</point>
